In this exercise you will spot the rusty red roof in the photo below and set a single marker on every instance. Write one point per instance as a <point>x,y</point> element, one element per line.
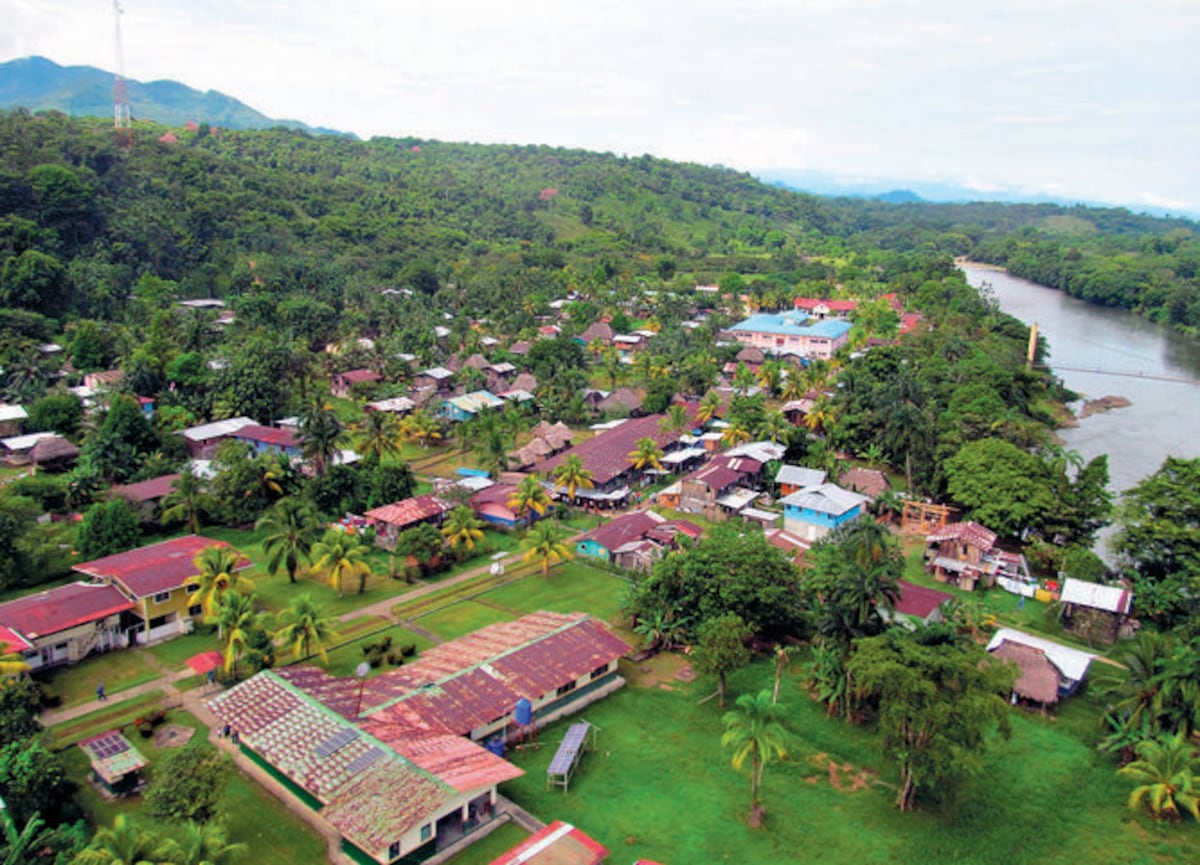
<point>606,456</point>
<point>969,533</point>
<point>869,482</point>
<point>155,568</point>
<point>455,760</point>
<point>357,376</point>
<point>267,435</point>
<point>409,511</point>
<point>59,609</point>
<point>557,844</point>
<point>621,530</point>
<point>810,303</point>
<point>146,491</point>
<point>919,601</point>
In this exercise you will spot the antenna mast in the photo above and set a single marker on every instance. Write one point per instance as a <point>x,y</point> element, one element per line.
<point>122,121</point>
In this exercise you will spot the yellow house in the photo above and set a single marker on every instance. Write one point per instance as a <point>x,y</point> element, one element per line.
<point>155,579</point>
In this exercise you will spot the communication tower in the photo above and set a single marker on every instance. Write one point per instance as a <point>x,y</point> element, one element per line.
<point>122,121</point>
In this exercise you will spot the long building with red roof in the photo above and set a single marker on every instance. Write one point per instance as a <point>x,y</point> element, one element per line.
<point>606,455</point>
<point>64,624</point>
<point>394,762</point>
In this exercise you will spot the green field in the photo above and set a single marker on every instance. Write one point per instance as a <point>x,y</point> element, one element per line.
<point>661,787</point>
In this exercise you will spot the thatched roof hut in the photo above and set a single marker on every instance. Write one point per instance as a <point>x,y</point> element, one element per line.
<point>1039,677</point>
<point>54,454</point>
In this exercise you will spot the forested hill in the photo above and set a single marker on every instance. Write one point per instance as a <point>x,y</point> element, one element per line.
<point>42,85</point>
<point>485,226</point>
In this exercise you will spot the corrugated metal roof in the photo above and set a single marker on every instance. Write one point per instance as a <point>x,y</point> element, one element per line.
<point>1072,662</point>
<point>61,608</point>
<point>1114,599</point>
<point>216,429</point>
<point>969,532</point>
<point>409,511</point>
<point>825,499</point>
<point>155,568</point>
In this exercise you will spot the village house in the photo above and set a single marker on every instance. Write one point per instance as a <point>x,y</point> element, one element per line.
<point>597,332</point>
<point>18,450</point>
<point>65,624</point>
<point>202,440</point>
<point>918,605</point>
<point>636,540</point>
<point>437,378</point>
<point>792,479</point>
<point>10,419</point>
<point>606,456</point>
<point>1096,611</point>
<point>393,762</point>
<point>459,409</point>
<point>145,497</point>
<point>713,491</point>
<point>53,454</point>
<point>792,333</point>
<point>794,545</point>
<point>266,439</point>
<point>872,483</point>
<point>390,520</point>
<point>823,309</point>
<point>622,402</point>
<point>957,553</point>
<point>397,405</point>
<point>1050,671</point>
<point>342,384</point>
<point>490,504</point>
<point>159,580</point>
<point>814,512</point>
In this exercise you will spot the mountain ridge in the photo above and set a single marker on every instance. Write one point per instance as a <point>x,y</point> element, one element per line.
<point>38,83</point>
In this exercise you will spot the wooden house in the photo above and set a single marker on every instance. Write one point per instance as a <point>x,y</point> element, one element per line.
<point>956,553</point>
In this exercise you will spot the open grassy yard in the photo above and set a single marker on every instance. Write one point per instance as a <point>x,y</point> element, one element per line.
<point>660,786</point>
<point>494,845</point>
<point>117,670</point>
<point>463,618</point>
<point>252,815</point>
<point>345,658</point>
<point>573,586</point>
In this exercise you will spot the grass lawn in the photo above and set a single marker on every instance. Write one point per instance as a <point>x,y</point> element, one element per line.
<point>660,786</point>
<point>117,671</point>
<point>573,587</point>
<point>463,618</point>
<point>173,654</point>
<point>252,815</point>
<point>108,718</point>
<point>345,658</point>
<point>500,841</point>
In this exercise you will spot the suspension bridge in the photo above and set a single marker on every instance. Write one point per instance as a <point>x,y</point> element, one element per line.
<point>1123,373</point>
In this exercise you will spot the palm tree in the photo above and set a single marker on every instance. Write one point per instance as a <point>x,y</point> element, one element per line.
<point>341,555</point>
<point>571,475</point>
<point>646,454</point>
<point>421,427</point>
<point>774,425</point>
<point>321,434</point>
<point>206,844</point>
<point>217,570</point>
<point>185,501</point>
<point>1165,771</point>
<point>462,527</point>
<point>20,847</point>
<point>303,626</point>
<point>543,544</point>
<point>754,732</point>
<point>821,416</point>
<point>710,406</point>
<point>126,843</point>
<point>291,531</point>
<point>676,419</point>
<point>792,388</point>
<point>529,498</point>
<point>735,434</point>
<point>378,436</point>
<point>236,619</point>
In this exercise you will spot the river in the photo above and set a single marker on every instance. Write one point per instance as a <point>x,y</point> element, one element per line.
<point>1161,375</point>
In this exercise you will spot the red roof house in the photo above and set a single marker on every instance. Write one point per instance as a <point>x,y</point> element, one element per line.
<point>342,383</point>
<point>921,602</point>
<point>390,520</point>
<point>64,624</point>
<point>606,455</point>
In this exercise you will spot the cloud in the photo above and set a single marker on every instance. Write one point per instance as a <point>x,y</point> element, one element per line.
<point>1155,200</point>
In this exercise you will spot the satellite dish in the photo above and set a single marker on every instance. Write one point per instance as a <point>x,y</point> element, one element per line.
<point>362,670</point>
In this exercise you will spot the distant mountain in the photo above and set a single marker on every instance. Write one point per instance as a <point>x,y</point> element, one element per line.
<point>907,191</point>
<point>39,84</point>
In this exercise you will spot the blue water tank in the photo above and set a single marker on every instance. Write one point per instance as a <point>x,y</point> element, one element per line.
<point>523,712</point>
<point>496,745</point>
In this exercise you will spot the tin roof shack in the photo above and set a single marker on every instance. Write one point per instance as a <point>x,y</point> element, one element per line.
<point>814,512</point>
<point>618,540</point>
<point>146,496</point>
<point>393,762</point>
<point>703,491</point>
<point>343,384</point>
<point>202,440</point>
<point>958,554</point>
<point>390,520</point>
<point>1095,611</point>
<point>64,624</point>
<point>116,764</point>
<point>1050,671</point>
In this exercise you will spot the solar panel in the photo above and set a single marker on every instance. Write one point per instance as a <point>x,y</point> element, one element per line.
<point>564,759</point>
<point>108,745</point>
<point>365,759</point>
<point>340,739</point>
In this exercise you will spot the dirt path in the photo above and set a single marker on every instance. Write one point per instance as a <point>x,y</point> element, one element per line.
<point>165,683</point>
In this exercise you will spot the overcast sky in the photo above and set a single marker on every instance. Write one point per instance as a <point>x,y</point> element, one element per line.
<point>1087,99</point>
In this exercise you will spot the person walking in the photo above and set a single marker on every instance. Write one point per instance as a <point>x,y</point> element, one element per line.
<point>100,695</point>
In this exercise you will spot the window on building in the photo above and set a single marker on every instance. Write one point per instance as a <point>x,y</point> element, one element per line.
<point>426,831</point>
<point>162,597</point>
<point>565,689</point>
<point>394,850</point>
<point>599,671</point>
<point>192,588</point>
<point>195,610</point>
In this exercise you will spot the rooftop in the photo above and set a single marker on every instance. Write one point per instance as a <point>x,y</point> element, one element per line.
<point>267,435</point>
<point>825,499</point>
<point>155,568</point>
<point>61,608</point>
<point>786,325</point>
<point>409,511</point>
<point>919,601</point>
<point>146,491</point>
<point>606,455</point>
<point>970,532</point>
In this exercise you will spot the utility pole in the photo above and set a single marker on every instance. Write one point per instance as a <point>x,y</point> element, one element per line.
<point>122,121</point>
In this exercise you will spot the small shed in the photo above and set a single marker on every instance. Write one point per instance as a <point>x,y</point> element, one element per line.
<point>116,764</point>
<point>54,454</point>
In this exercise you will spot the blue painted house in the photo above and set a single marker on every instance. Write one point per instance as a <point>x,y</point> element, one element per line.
<point>814,512</point>
<point>465,407</point>
<point>265,438</point>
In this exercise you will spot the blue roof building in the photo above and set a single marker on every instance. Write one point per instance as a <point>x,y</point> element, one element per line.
<point>792,333</point>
